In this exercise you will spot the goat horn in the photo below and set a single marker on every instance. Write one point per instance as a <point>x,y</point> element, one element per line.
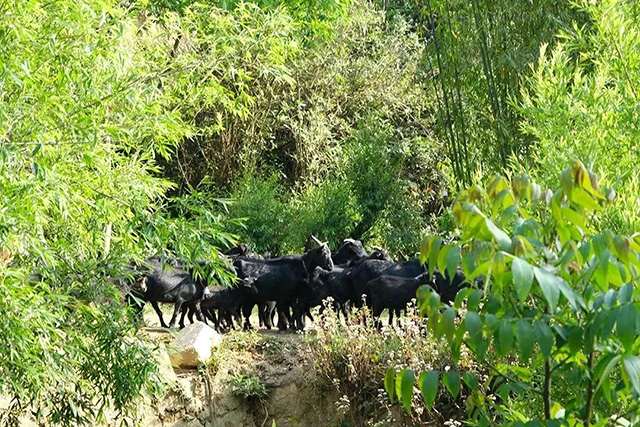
<point>377,248</point>
<point>348,241</point>
<point>315,239</point>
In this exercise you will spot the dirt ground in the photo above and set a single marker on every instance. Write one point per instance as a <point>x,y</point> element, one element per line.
<point>207,397</point>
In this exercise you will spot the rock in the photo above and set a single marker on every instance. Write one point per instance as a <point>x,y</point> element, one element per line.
<point>192,346</point>
<point>188,422</point>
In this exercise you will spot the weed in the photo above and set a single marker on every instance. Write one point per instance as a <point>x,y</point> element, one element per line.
<point>248,386</point>
<point>351,359</point>
<point>273,347</point>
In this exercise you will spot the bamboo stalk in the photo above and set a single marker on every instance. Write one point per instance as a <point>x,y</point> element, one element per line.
<point>453,152</point>
<point>486,65</point>
<point>458,106</point>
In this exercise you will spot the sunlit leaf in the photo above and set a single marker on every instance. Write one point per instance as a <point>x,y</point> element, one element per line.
<point>389,383</point>
<point>522,278</point>
<point>502,238</point>
<point>550,285</point>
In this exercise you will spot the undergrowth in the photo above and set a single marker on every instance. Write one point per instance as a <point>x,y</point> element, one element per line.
<point>351,358</point>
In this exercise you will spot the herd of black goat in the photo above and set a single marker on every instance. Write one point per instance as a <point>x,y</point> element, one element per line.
<point>290,285</point>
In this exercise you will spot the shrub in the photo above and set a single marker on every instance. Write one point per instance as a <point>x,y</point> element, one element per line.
<point>555,286</point>
<point>327,210</point>
<point>262,205</point>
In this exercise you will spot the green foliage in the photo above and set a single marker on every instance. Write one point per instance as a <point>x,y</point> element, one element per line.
<point>369,368</point>
<point>248,387</point>
<point>582,102</point>
<point>321,109</point>
<point>375,193</point>
<point>477,56</point>
<point>82,124</point>
<point>575,285</point>
<point>262,203</point>
<point>328,209</point>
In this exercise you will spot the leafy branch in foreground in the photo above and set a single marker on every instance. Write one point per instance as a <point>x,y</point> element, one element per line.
<point>557,298</point>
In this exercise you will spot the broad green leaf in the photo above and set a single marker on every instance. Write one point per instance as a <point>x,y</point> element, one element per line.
<point>442,258</point>
<point>425,246</point>
<point>502,238</point>
<point>453,261</point>
<point>573,217</point>
<point>451,381</point>
<point>622,246</point>
<point>626,325</point>
<point>575,300</point>
<point>544,336</point>
<point>461,295</point>
<point>404,387</point>
<point>474,300</point>
<point>526,339</point>
<point>522,277</point>
<point>447,322</point>
<point>520,185</point>
<point>422,294</point>
<point>549,283</point>
<point>434,253</point>
<point>505,337</point>
<point>566,180</point>
<point>428,383</point>
<point>497,185</point>
<point>604,368</point>
<point>469,264</point>
<point>584,199</point>
<point>473,324</point>
<point>631,365</point>
<point>574,339</point>
<point>471,380</point>
<point>607,326</point>
<point>556,203</point>
<point>610,298</point>
<point>626,293</point>
<point>389,383</point>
